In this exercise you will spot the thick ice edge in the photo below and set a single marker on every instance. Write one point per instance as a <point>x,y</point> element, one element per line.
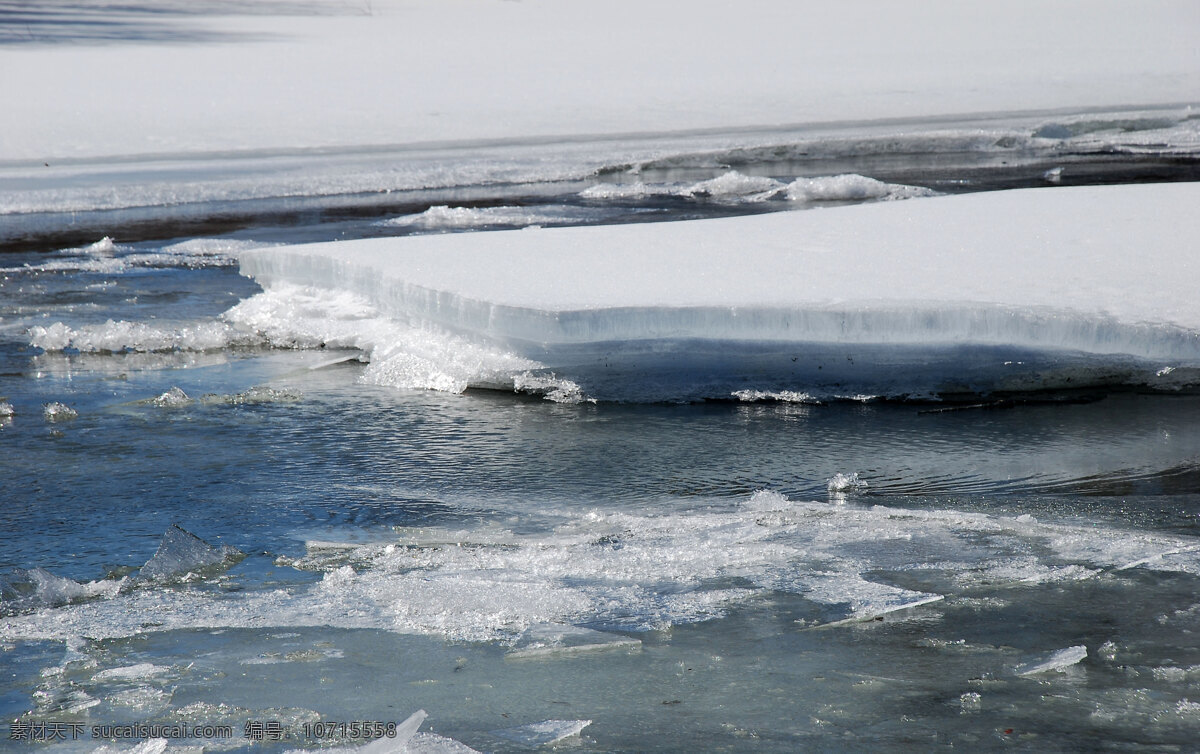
<point>1018,290</point>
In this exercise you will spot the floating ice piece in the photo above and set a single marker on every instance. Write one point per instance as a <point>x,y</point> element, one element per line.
<point>1156,558</point>
<point>549,386</point>
<point>103,247</point>
<point>57,412</point>
<point>638,190</point>
<point>850,187</point>
<point>131,672</point>
<point>123,336</point>
<point>271,658</point>
<point>149,746</point>
<point>866,600</point>
<point>555,640</point>
<point>932,297</point>
<point>842,483</point>
<point>780,396</point>
<point>401,742</point>
<point>878,611</point>
<point>28,589</point>
<point>6,410</point>
<point>255,396</point>
<point>442,217</point>
<point>409,727</point>
<point>422,743</point>
<point>545,732</point>
<point>173,398</point>
<point>735,186</point>
<point>431,743</point>
<point>180,552</point>
<point>144,698</point>
<point>57,697</point>
<point>1057,660</point>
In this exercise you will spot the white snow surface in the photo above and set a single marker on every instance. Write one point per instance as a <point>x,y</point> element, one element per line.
<point>331,73</point>
<point>1079,279</point>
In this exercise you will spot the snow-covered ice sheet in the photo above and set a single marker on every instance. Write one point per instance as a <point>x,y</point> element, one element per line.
<point>1018,290</point>
<point>335,73</point>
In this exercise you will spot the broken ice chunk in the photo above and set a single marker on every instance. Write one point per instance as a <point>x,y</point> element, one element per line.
<point>173,398</point>
<point>408,728</point>
<point>555,639</point>
<point>57,412</point>
<point>843,483</point>
<point>29,589</point>
<point>401,742</point>
<point>131,672</point>
<point>149,746</point>
<point>545,732</point>
<point>180,552</point>
<point>1057,660</point>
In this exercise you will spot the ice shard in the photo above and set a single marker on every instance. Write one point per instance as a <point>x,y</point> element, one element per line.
<point>545,732</point>
<point>180,552</point>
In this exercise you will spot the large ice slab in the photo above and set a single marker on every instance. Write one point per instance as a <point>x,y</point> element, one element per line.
<point>1019,290</point>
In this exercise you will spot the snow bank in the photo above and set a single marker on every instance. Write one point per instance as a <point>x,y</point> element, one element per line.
<point>1019,290</point>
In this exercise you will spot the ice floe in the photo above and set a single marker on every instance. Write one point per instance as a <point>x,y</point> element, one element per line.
<point>850,187</point>
<point>557,640</point>
<point>944,296</point>
<point>131,672</point>
<point>123,336</point>
<point>407,740</point>
<point>23,590</point>
<point>56,411</point>
<point>738,188</point>
<point>173,398</point>
<point>543,733</point>
<point>107,257</point>
<point>1057,660</point>
<point>840,482</point>
<point>182,554</point>
<point>446,218</point>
